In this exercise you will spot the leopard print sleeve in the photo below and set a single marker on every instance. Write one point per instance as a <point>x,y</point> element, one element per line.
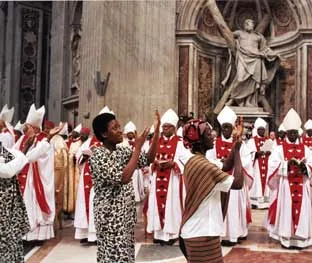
<point>107,167</point>
<point>143,160</point>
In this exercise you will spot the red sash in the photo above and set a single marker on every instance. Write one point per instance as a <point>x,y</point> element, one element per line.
<point>223,149</point>
<point>262,161</point>
<point>22,176</point>
<point>306,140</point>
<point>87,178</point>
<point>295,179</point>
<point>39,188</point>
<point>165,151</point>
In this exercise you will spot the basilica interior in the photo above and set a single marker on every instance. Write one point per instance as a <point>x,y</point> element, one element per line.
<point>136,56</point>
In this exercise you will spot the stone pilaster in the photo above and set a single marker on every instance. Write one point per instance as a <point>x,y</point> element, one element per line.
<point>135,42</point>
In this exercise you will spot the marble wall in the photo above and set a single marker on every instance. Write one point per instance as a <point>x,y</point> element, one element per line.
<point>288,32</point>
<point>135,42</point>
<point>159,54</point>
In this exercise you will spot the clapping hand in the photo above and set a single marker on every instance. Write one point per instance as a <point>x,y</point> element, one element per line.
<point>156,121</point>
<point>55,130</point>
<point>238,129</point>
<point>139,140</point>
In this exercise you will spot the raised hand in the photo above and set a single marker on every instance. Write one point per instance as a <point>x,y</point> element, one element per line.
<point>56,130</point>
<point>238,129</point>
<point>139,140</point>
<point>156,121</point>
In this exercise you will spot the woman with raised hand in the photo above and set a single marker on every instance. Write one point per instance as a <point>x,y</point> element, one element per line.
<point>112,168</point>
<point>205,207</point>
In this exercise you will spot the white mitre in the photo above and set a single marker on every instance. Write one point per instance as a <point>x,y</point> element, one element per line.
<point>129,127</point>
<point>78,128</point>
<point>106,110</point>
<point>6,114</point>
<point>64,130</point>
<point>260,123</point>
<point>281,128</point>
<point>170,117</point>
<point>292,120</point>
<point>308,124</point>
<point>19,127</point>
<point>35,117</point>
<point>227,115</point>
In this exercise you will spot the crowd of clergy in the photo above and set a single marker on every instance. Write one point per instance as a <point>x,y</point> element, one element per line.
<point>47,165</point>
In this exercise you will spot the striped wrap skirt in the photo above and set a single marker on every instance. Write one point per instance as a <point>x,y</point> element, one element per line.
<point>202,249</point>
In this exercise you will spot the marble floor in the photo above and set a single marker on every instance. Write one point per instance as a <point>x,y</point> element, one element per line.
<point>258,247</point>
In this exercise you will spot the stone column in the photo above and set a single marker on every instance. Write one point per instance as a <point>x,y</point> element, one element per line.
<point>135,42</point>
<point>58,69</point>
<point>3,7</point>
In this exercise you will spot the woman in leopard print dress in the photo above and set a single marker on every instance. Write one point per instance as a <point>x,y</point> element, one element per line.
<point>112,167</point>
<point>13,216</point>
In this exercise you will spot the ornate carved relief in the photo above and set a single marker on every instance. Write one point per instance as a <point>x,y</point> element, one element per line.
<point>183,80</point>
<point>283,19</point>
<point>287,86</point>
<point>235,13</point>
<point>207,24</point>
<point>29,58</point>
<point>204,85</point>
<point>76,58</point>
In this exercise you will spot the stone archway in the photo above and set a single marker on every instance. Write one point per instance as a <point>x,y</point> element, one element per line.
<point>203,53</point>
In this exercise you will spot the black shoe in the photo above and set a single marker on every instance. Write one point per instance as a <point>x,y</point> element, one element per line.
<point>171,242</point>
<point>292,247</point>
<point>242,238</point>
<point>162,243</point>
<point>227,243</point>
<point>157,241</point>
<point>83,241</point>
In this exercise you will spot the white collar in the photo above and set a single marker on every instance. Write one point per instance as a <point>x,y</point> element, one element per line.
<point>296,142</point>
<point>226,140</point>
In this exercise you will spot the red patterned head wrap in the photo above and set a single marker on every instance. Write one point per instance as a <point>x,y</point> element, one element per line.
<point>193,130</point>
<point>49,124</point>
<point>85,131</point>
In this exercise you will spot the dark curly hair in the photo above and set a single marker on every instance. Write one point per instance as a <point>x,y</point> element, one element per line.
<point>100,124</point>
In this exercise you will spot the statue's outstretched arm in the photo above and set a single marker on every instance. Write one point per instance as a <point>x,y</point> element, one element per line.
<point>219,20</point>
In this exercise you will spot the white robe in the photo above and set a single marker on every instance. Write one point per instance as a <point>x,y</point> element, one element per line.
<point>84,229</point>
<point>41,224</point>
<point>7,139</point>
<point>235,222</point>
<point>282,230</point>
<point>256,197</point>
<point>173,212</point>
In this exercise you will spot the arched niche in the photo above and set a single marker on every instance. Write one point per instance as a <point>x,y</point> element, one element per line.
<point>203,52</point>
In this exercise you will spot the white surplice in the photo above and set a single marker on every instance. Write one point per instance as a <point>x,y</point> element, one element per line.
<point>84,228</point>
<point>256,197</point>
<point>283,229</point>
<point>7,139</point>
<point>235,222</point>
<point>173,211</point>
<point>41,223</point>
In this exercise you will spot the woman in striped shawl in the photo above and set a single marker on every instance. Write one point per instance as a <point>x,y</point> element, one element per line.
<point>206,203</point>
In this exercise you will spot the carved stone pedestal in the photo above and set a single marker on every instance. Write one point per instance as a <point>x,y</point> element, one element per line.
<point>250,114</point>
